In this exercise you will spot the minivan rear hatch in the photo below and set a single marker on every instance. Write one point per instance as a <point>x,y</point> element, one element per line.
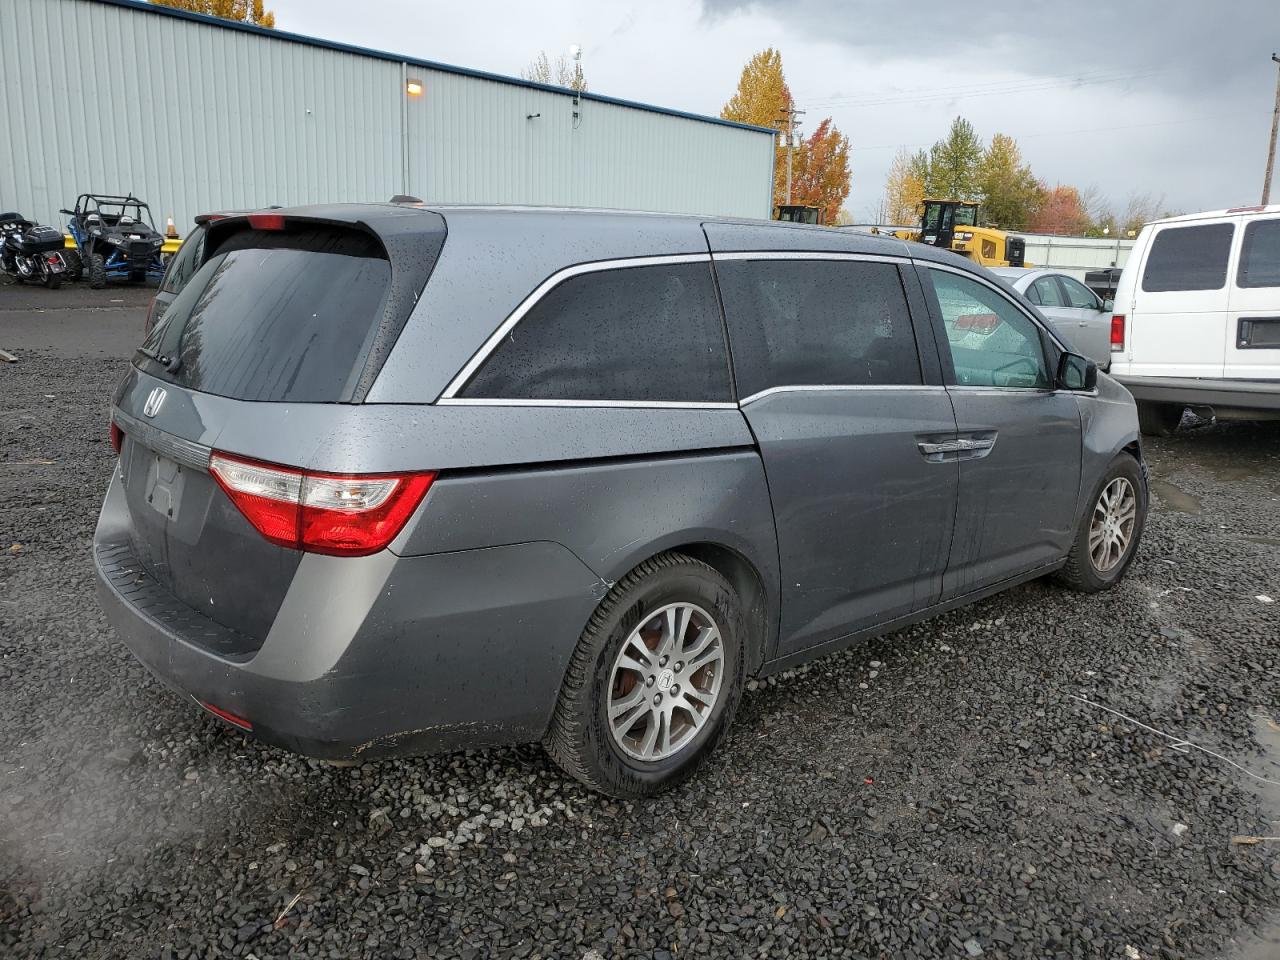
<point>287,308</point>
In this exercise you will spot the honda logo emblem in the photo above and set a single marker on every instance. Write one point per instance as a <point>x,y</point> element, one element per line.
<point>155,400</point>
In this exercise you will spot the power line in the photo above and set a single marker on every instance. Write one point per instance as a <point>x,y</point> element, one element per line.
<point>1004,88</point>
<point>979,85</point>
<point>1063,133</point>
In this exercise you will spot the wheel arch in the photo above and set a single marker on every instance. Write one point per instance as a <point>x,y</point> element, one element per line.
<point>759,603</point>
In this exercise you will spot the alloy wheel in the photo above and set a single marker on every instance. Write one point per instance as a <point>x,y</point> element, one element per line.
<point>665,682</point>
<point>1111,528</point>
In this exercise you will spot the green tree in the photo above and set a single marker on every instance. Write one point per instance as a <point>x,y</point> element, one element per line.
<point>763,99</point>
<point>953,163</point>
<point>1009,192</point>
<point>246,11</point>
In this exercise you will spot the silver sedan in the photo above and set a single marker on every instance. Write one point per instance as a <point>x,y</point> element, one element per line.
<point>1078,315</point>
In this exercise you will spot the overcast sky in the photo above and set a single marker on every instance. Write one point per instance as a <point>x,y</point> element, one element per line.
<point>1170,97</point>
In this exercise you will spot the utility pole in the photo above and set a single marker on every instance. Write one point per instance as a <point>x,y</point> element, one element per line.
<point>1271,144</point>
<point>789,117</point>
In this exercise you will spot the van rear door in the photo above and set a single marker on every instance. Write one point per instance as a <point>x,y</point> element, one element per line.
<point>1180,307</point>
<point>1252,345</point>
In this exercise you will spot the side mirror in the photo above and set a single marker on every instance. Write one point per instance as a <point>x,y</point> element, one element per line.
<point>1108,306</point>
<point>1077,373</point>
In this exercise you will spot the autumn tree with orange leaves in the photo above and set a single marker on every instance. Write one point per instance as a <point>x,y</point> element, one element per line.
<point>820,171</point>
<point>1062,212</point>
<point>246,11</point>
<point>821,163</point>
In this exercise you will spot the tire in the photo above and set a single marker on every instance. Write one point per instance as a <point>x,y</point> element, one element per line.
<point>580,739</point>
<point>1159,419</point>
<point>1082,571</point>
<point>75,265</point>
<point>96,268</point>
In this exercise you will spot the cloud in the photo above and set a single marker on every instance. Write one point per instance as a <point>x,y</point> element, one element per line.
<point>1198,45</point>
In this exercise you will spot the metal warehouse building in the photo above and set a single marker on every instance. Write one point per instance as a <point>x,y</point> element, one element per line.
<point>195,114</point>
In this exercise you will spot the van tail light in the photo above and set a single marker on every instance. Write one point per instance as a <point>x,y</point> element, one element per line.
<point>345,515</point>
<point>117,438</point>
<point>1117,333</point>
<point>151,309</point>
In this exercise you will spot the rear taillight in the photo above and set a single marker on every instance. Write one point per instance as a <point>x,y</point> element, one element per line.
<point>117,438</point>
<point>1117,333</point>
<point>346,515</point>
<point>151,309</point>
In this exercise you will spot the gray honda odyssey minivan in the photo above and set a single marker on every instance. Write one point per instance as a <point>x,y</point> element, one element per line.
<point>397,479</point>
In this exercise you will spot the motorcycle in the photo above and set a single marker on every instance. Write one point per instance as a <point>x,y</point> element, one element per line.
<point>31,252</point>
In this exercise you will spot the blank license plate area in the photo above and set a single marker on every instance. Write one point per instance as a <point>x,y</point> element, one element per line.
<point>165,481</point>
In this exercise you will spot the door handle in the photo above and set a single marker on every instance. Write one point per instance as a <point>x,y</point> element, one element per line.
<point>955,445</point>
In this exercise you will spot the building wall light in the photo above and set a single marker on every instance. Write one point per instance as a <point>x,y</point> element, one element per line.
<point>413,88</point>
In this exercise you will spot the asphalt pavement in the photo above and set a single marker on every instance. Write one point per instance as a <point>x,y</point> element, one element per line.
<point>1041,775</point>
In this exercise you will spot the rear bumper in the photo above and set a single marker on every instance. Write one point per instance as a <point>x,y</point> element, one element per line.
<point>372,656</point>
<point>1192,391</point>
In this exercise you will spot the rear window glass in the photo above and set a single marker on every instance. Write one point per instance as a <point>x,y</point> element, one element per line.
<point>262,320</point>
<point>639,333</point>
<point>817,322</point>
<point>1188,258</point>
<point>1260,255</point>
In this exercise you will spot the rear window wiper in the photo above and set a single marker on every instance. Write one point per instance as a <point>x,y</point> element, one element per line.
<point>171,364</point>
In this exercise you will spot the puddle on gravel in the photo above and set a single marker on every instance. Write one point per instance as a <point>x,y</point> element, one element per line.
<point>1175,498</point>
<point>1264,943</point>
<point>1266,730</point>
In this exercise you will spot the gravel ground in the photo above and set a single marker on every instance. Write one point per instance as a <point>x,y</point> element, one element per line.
<point>942,792</point>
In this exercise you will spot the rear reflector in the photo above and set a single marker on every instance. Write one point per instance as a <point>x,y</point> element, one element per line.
<point>117,438</point>
<point>266,221</point>
<point>1117,333</point>
<point>346,515</point>
<point>231,718</point>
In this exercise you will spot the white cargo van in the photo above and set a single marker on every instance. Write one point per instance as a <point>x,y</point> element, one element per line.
<point>1197,317</point>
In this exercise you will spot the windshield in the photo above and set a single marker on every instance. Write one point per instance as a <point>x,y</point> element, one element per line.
<point>966,216</point>
<point>119,212</point>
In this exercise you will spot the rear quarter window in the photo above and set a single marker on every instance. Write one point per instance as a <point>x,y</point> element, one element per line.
<point>1188,258</point>
<point>1260,255</point>
<point>647,334</point>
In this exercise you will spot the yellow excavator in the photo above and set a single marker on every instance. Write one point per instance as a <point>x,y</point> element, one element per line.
<point>953,224</point>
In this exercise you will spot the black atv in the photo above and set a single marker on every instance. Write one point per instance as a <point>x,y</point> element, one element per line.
<point>115,240</point>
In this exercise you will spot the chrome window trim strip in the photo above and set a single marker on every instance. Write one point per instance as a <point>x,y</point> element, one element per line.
<point>529,302</point>
<point>186,452</point>
<point>810,255</point>
<point>623,404</point>
<point>841,387</point>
